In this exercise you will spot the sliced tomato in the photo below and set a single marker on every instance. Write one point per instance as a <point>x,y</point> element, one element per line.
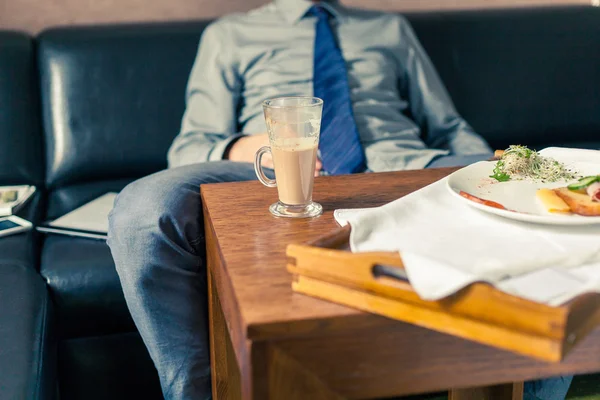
<point>482,201</point>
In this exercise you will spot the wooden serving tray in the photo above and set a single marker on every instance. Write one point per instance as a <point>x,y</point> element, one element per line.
<point>373,282</point>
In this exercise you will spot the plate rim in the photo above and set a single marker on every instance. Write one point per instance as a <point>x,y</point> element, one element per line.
<point>516,215</point>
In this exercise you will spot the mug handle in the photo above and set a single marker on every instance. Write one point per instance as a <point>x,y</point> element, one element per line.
<point>258,167</point>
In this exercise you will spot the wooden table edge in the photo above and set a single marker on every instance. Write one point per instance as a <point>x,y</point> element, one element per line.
<point>254,332</point>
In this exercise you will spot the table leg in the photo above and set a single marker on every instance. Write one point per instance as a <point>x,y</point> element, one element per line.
<point>509,391</point>
<point>225,372</point>
<point>278,375</point>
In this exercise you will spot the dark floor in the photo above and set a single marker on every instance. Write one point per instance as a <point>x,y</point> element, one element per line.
<point>585,387</point>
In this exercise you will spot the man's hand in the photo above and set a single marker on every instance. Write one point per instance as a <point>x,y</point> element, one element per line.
<point>245,148</point>
<point>318,167</point>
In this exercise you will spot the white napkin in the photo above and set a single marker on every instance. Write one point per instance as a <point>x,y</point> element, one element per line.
<point>446,245</point>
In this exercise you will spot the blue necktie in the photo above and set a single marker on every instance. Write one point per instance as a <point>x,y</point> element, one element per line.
<point>341,151</point>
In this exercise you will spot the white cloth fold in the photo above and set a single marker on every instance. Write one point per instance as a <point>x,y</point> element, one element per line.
<point>446,245</point>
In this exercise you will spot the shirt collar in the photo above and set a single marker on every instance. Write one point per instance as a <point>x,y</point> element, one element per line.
<point>294,10</point>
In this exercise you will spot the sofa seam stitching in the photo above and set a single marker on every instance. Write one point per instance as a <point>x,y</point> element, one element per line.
<point>42,347</point>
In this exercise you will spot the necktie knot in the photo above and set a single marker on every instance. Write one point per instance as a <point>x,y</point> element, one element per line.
<point>319,12</point>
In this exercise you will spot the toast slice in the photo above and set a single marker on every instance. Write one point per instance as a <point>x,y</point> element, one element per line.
<point>579,202</point>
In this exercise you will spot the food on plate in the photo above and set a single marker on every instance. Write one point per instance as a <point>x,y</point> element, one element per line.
<point>583,196</point>
<point>482,201</point>
<point>552,202</point>
<point>594,191</point>
<point>579,202</point>
<point>519,162</point>
<point>590,184</point>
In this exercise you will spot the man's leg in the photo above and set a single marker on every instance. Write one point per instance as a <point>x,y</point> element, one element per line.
<point>458,161</point>
<point>156,237</point>
<point>547,389</point>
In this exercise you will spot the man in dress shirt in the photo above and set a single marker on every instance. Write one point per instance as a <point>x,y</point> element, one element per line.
<point>388,98</point>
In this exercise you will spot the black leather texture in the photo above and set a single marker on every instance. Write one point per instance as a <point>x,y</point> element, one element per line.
<point>85,287</point>
<point>81,273</point>
<point>24,248</point>
<point>113,98</point>
<point>528,76</point>
<point>21,155</point>
<point>27,346</point>
<point>115,367</point>
<point>21,249</point>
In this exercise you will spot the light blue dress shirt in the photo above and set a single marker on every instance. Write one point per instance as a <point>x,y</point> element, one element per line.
<point>404,114</point>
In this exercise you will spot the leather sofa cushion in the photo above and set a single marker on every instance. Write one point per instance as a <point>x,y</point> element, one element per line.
<point>113,98</point>
<point>85,287</point>
<point>81,273</point>
<point>27,349</point>
<point>116,367</point>
<point>526,76</point>
<point>21,154</point>
<point>23,249</point>
<point>20,127</point>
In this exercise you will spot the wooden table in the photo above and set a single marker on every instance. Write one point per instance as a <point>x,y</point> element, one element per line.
<point>268,342</point>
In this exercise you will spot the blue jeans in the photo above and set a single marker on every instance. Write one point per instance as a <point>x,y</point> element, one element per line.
<point>156,236</point>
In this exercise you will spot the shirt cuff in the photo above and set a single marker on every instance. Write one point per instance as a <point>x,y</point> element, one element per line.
<point>218,151</point>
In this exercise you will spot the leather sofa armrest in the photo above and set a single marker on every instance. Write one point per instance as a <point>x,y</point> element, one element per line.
<point>27,347</point>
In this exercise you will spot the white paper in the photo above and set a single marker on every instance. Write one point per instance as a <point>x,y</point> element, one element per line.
<point>92,216</point>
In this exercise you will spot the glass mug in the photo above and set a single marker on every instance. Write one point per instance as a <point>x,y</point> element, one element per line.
<point>293,126</point>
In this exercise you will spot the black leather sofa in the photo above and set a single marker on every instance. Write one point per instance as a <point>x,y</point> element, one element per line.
<point>85,110</point>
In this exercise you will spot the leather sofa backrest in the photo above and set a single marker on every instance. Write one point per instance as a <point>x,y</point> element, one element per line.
<point>113,98</point>
<point>528,76</point>
<point>21,154</point>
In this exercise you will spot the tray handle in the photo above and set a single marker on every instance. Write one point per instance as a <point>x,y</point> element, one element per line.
<point>380,268</point>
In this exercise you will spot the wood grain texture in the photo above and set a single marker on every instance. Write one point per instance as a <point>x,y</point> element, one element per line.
<point>229,353</point>
<point>403,359</point>
<point>226,375</point>
<point>326,269</point>
<point>511,391</point>
<point>252,245</point>
<point>283,369</point>
<point>352,354</point>
<point>500,336</point>
<point>36,15</point>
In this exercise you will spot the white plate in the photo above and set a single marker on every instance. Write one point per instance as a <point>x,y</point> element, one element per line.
<point>519,196</point>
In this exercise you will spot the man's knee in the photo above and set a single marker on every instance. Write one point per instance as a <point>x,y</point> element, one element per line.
<point>166,206</point>
<point>158,207</point>
<point>136,208</point>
